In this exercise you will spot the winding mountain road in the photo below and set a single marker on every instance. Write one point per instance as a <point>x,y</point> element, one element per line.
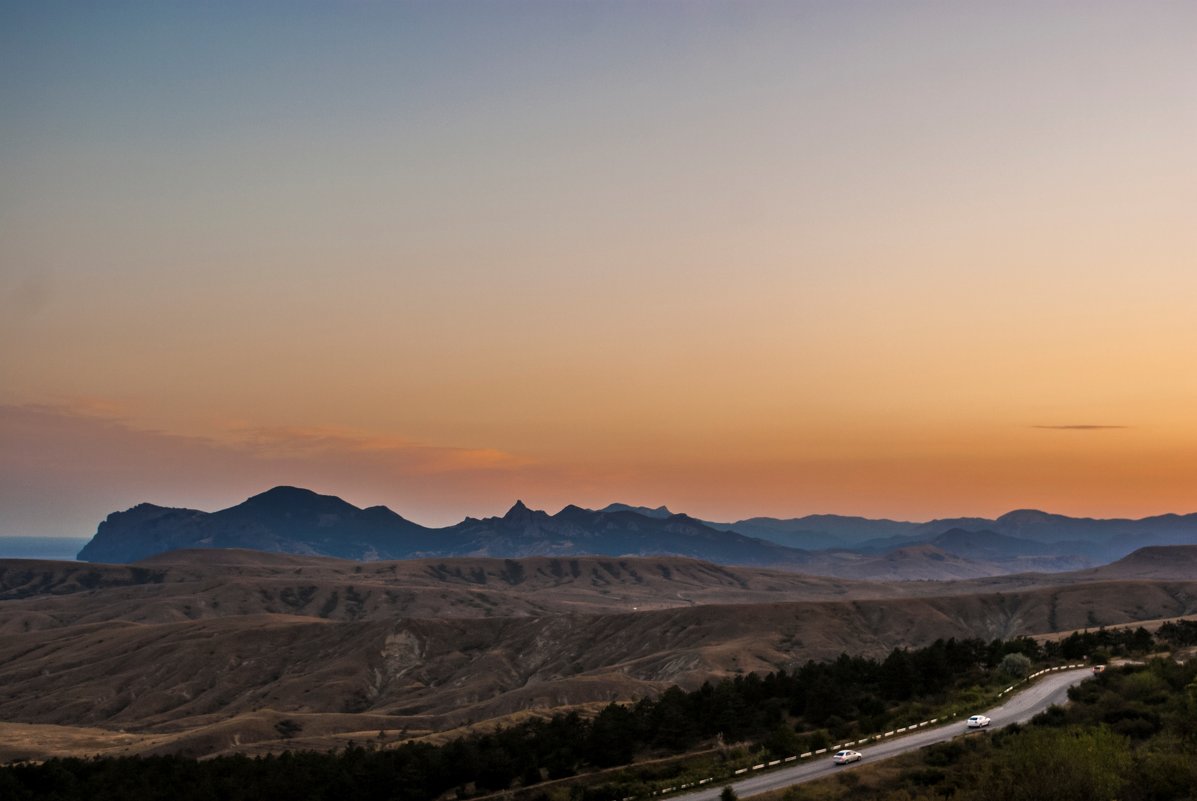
<point>1018,708</point>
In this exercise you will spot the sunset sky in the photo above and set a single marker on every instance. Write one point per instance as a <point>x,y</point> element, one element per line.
<point>892,259</point>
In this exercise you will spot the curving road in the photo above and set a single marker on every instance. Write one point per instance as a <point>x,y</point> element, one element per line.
<point>1018,708</point>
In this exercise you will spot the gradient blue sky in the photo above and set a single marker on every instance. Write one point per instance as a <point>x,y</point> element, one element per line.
<point>749,258</point>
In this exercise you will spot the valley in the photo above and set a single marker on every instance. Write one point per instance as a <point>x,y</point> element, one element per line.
<point>208,652</point>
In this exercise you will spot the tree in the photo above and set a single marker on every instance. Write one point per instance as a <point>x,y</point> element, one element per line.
<point>897,676</point>
<point>782,741</point>
<point>1016,665</point>
<point>613,737</point>
<point>728,794</point>
<point>676,727</point>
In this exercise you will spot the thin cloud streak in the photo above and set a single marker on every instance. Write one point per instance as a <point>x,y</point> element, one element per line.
<point>63,468</point>
<point>1081,427</point>
<point>325,441</point>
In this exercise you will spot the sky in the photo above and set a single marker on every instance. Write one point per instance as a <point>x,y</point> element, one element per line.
<point>894,259</point>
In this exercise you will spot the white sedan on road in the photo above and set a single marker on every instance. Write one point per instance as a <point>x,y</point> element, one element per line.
<point>977,721</point>
<point>844,757</point>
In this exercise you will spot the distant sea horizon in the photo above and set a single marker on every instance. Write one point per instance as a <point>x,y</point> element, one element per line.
<point>62,549</point>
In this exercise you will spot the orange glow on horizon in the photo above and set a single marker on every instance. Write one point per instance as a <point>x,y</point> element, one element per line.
<point>776,259</point>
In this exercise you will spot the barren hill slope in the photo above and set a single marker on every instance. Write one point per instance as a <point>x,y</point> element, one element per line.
<point>205,649</point>
<point>192,585</point>
<point>181,673</point>
<point>1156,562</point>
<point>923,562</point>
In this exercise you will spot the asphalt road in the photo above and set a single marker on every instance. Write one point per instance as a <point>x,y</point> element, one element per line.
<point>1020,707</point>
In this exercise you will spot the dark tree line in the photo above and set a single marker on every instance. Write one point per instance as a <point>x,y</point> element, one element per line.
<point>1178,633</point>
<point>843,696</point>
<point>1105,642</point>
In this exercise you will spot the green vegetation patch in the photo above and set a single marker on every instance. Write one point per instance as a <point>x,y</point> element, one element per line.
<point>1130,734</point>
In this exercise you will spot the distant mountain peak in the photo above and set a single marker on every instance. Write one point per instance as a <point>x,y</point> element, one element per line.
<point>284,492</point>
<point>1021,515</point>
<point>143,507</point>
<point>297,520</point>
<point>520,513</point>
<point>293,500</point>
<point>659,512</point>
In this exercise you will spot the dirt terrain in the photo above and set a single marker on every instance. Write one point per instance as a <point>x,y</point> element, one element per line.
<point>190,585</point>
<point>212,652</point>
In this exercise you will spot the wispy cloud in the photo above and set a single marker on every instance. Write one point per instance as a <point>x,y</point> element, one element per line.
<point>63,467</point>
<point>300,442</point>
<point>1081,427</point>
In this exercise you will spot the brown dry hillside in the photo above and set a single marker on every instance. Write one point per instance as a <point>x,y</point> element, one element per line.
<point>1155,562</point>
<point>192,585</point>
<point>203,653</point>
<point>922,562</point>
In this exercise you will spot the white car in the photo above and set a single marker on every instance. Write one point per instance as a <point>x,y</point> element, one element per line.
<point>844,757</point>
<point>977,721</point>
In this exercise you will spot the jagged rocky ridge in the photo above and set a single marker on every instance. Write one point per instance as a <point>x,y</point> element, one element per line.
<point>292,520</point>
<point>299,521</point>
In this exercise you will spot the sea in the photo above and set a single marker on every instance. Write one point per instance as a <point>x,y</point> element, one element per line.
<point>57,548</point>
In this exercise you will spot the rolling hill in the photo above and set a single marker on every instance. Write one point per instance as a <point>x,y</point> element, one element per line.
<point>204,651</point>
<point>1094,540</point>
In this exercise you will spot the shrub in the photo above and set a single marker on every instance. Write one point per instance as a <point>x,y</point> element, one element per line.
<point>1016,665</point>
